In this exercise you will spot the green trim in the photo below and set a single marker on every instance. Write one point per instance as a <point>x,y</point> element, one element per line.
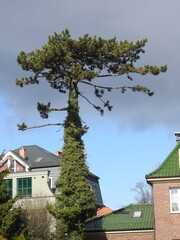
<point>9,186</point>
<point>24,187</point>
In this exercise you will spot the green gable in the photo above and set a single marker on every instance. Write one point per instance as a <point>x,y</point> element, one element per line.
<point>170,166</point>
<point>123,220</point>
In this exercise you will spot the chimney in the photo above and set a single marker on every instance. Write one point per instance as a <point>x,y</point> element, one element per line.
<point>58,154</point>
<point>177,134</point>
<point>22,152</point>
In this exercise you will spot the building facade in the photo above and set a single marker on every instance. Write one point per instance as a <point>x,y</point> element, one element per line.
<point>165,182</point>
<point>34,171</point>
<point>159,221</point>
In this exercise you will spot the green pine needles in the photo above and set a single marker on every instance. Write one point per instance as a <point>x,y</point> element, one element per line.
<point>66,64</point>
<point>64,59</point>
<point>10,222</point>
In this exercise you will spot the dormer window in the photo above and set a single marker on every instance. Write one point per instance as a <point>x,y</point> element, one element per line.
<point>11,165</point>
<point>137,214</point>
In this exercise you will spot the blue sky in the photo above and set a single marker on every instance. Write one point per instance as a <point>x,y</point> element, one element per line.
<point>132,140</point>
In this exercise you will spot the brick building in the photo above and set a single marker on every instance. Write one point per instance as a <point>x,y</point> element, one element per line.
<point>165,183</point>
<point>159,221</point>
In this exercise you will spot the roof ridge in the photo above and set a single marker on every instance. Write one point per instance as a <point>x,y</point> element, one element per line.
<point>93,175</point>
<point>34,145</point>
<point>23,146</point>
<point>28,145</point>
<point>140,204</point>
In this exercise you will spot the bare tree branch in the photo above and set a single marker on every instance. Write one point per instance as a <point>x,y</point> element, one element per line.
<point>87,99</point>
<point>23,127</point>
<point>110,75</point>
<point>58,109</point>
<point>95,106</point>
<point>143,192</point>
<point>48,124</point>
<point>44,109</point>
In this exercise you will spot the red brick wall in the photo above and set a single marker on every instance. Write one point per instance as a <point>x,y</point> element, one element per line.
<point>19,167</point>
<point>129,237</point>
<point>104,236</point>
<point>3,167</point>
<point>167,224</point>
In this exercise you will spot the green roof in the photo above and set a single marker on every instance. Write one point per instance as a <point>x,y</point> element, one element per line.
<point>123,220</point>
<point>170,166</point>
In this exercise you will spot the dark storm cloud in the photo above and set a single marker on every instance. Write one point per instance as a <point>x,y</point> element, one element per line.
<point>25,25</point>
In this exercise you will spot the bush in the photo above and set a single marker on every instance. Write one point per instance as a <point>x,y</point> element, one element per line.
<point>2,238</point>
<point>20,237</point>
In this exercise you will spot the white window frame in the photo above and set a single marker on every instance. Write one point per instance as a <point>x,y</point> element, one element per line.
<point>50,182</point>
<point>178,200</point>
<point>9,165</point>
<point>137,214</point>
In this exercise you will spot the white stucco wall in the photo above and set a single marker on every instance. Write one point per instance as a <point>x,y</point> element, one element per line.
<point>40,183</point>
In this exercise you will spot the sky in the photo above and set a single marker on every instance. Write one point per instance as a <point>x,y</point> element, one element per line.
<point>137,135</point>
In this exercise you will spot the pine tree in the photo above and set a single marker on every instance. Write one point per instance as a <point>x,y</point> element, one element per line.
<point>9,216</point>
<point>67,63</point>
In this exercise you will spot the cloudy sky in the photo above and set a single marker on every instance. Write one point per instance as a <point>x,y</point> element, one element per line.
<point>132,140</point>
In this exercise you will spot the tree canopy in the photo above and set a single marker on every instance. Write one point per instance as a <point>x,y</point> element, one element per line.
<point>64,60</point>
<point>143,193</point>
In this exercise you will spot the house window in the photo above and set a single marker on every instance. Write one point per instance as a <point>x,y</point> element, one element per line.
<point>11,165</point>
<point>9,187</point>
<point>50,182</point>
<point>137,214</point>
<point>175,200</point>
<point>24,187</point>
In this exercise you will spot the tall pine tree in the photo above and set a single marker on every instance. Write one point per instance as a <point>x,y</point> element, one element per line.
<point>66,64</point>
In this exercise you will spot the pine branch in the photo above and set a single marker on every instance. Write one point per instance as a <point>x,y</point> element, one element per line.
<point>58,109</point>
<point>44,109</point>
<point>23,127</point>
<point>127,68</point>
<point>95,106</point>
<point>122,88</point>
<point>109,75</point>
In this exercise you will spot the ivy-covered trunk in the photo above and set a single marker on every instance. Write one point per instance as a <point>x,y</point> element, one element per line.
<point>75,203</point>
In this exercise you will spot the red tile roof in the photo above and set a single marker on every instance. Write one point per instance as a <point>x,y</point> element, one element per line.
<point>103,211</point>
